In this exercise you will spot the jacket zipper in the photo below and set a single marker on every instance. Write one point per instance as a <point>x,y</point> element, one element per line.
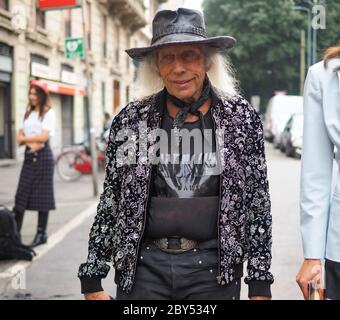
<point>219,204</point>
<point>144,214</point>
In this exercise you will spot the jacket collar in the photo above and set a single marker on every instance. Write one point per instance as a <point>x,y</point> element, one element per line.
<point>160,100</point>
<point>334,63</point>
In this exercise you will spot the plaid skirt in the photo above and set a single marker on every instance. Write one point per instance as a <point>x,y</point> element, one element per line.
<point>35,189</point>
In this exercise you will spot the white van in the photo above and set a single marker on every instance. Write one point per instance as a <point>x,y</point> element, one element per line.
<point>280,108</point>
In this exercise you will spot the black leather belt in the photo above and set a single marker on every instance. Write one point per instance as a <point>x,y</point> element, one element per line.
<point>175,244</point>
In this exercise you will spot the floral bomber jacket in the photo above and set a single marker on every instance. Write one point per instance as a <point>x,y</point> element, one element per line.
<point>244,218</point>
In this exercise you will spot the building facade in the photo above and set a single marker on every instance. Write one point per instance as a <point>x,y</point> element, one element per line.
<point>32,46</point>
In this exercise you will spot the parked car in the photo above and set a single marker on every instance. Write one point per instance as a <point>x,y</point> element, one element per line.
<point>280,108</point>
<point>291,137</point>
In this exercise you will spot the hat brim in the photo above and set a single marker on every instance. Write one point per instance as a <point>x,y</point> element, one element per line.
<point>221,42</point>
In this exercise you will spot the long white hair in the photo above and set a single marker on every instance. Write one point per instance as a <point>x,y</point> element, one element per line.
<point>220,73</point>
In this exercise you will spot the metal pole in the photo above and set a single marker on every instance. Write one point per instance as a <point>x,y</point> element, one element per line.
<point>309,51</point>
<point>315,58</point>
<point>302,61</point>
<point>314,32</point>
<point>309,29</point>
<point>88,101</point>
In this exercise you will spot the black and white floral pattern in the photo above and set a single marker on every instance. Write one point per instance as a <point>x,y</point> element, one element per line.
<point>244,220</point>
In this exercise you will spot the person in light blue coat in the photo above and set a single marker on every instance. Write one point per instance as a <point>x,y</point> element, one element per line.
<point>319,202</point>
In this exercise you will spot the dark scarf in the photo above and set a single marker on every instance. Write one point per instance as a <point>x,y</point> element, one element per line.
<point>192,107</point>
<point>186,107</point>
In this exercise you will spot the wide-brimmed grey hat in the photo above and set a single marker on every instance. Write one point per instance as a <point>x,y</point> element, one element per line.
<point>180,26</point>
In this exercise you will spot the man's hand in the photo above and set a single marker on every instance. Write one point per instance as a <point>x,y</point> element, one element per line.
<point>310,271</point>
<point>259,298</point>
<point>100,295</point>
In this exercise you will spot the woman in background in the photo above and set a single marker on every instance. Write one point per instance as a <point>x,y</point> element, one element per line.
<point>319,206</point>
<point>35,189</point>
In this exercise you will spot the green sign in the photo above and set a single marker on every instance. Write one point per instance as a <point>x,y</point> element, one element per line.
<point>74,48</point>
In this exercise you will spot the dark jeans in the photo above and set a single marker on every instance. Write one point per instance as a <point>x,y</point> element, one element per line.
<point>332,270</point>
<point>185,276</point>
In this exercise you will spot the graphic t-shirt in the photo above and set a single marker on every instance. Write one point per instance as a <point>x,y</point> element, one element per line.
<point>185,185</point>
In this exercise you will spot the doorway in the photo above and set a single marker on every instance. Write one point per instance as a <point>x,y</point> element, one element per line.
<point>67,117</point>
<point>5,121</point>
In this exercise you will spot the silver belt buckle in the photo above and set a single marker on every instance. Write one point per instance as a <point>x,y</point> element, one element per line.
<point>185,245</point>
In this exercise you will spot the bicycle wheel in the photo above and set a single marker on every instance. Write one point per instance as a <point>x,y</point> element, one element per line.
<point>65,165</point>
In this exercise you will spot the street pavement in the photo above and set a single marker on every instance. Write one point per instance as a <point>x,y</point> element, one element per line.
<point>284,182</point>
<point>53,276</point>
<point>71,199</point>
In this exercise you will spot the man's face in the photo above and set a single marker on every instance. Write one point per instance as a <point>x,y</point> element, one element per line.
<point>182,68</point>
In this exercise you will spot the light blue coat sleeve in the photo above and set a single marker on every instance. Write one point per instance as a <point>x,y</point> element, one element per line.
<point>316,172</point>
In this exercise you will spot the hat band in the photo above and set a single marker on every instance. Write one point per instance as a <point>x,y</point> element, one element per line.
<point>173,30</point>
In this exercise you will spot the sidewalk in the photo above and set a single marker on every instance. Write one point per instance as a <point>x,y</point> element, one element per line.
<point>72,198</point>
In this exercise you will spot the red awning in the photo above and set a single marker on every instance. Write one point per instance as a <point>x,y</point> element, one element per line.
<point>57,4</point>
<point>63,88</point>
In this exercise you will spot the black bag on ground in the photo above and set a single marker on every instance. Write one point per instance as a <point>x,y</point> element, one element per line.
<point>10,243</point>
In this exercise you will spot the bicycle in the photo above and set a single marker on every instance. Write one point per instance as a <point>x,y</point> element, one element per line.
<point>75,161</point>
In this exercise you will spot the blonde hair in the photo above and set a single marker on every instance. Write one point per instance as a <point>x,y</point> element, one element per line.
<point>220,72</point>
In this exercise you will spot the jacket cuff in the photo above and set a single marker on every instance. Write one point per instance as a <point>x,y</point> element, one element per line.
<point>259,288</point>
<point>91,284</point>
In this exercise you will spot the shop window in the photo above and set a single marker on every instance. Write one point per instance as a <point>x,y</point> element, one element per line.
<point>116,41</point>
<point>89,24</point>
<point>40,17</point>
<point>104,96</point>
<point>39,59</point>
<point>5,50</point>
<point>104,38</point>
<point>127,94</point>
<point>4,4</point>
<point>68,24</point>
<point>67,67</point>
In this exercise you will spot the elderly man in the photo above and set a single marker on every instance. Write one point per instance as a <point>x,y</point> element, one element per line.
<point>178,216</point>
